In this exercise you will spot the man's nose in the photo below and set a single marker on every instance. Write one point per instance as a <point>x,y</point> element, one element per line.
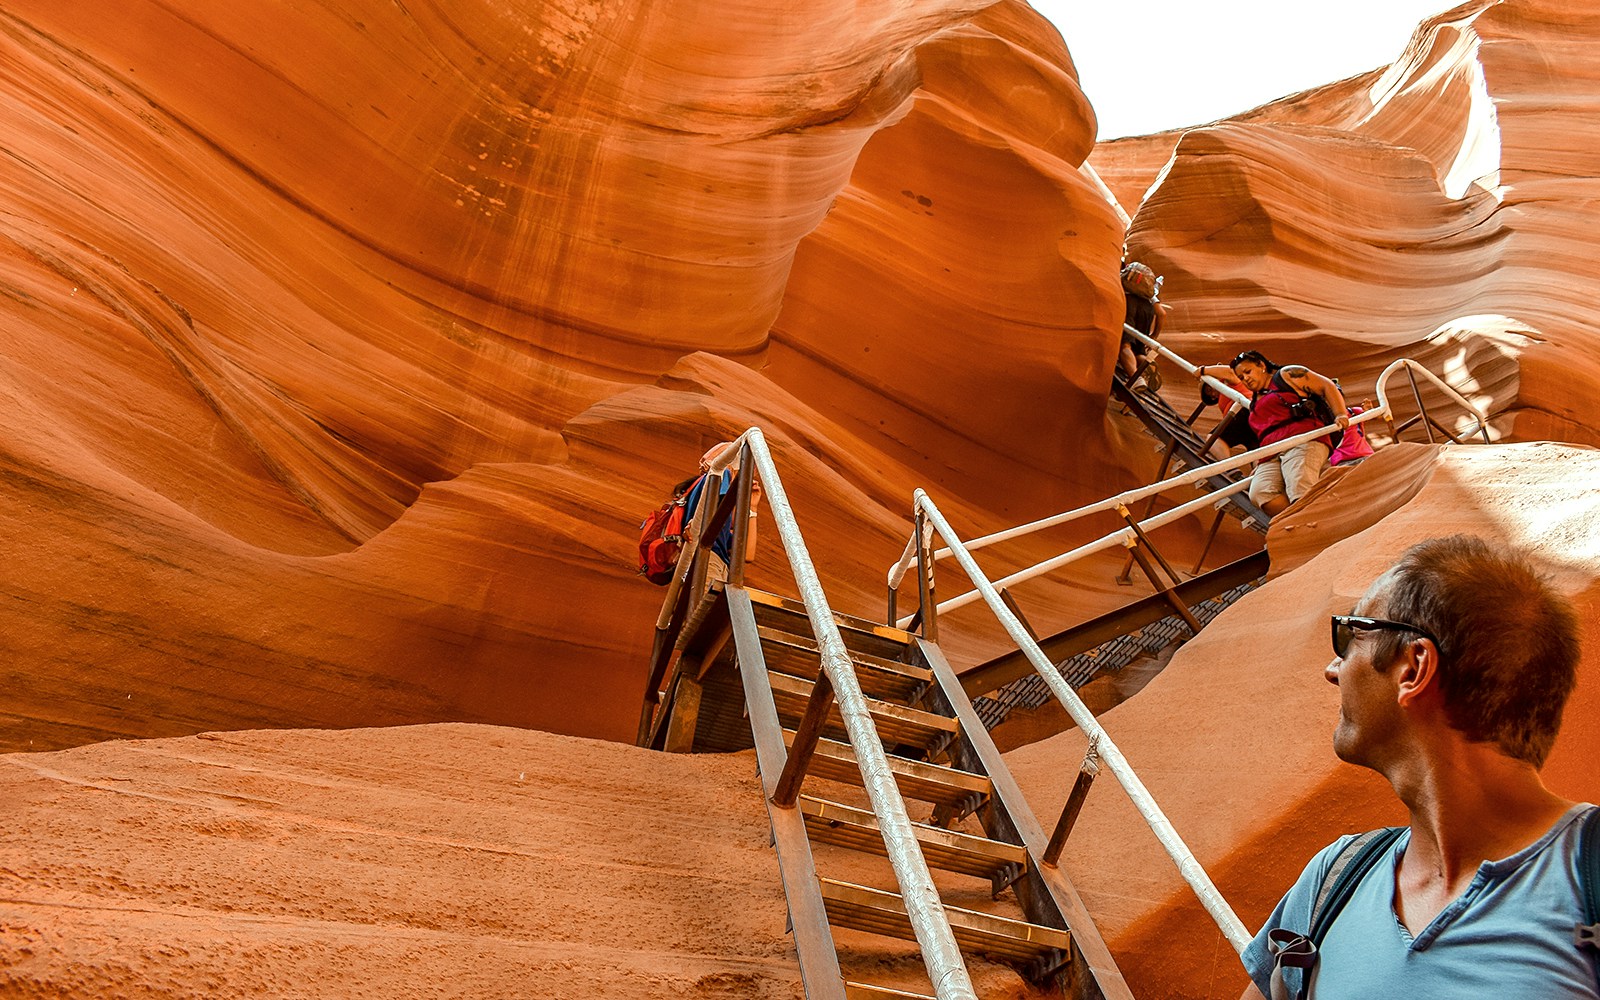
<point>1331,671</point>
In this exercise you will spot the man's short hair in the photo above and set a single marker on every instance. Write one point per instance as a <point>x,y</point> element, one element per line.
<point>1508,641</point>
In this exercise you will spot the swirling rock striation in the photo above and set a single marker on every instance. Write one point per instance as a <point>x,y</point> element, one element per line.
<point>1439,218</point>
<point>345,344</point>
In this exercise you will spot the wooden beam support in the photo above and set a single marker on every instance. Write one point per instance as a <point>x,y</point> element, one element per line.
<point>685,715</point>
<point>713,652</point>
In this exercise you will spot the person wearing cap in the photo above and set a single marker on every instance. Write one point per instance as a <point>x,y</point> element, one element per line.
<point>1143,312</point>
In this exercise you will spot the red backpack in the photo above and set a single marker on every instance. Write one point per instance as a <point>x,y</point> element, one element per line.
<point>661,539</point>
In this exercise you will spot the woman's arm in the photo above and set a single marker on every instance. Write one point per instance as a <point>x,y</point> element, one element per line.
<point>1305,381</point>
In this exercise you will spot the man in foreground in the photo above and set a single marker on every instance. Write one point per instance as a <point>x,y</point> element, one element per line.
<point>1451,685</point>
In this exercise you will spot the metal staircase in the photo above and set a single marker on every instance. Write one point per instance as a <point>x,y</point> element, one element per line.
<point>752,677</point>
<point>833,703</point>
<point>823,696</point>
<point>1110,642</point>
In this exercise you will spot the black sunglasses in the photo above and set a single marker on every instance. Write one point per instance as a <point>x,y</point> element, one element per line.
<point>1345,628</point>
<point>1255,356</point>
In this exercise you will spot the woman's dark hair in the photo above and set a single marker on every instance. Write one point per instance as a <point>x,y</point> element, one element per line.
<point>1257,357</point>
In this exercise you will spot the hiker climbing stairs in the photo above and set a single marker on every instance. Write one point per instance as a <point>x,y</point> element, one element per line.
<point>756,662</point>
<point>1183,446</point>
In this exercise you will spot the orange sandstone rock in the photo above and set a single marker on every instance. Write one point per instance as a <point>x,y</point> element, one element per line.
<point>414,861</point>
<point>1410,223</point>
<point>346,344</point>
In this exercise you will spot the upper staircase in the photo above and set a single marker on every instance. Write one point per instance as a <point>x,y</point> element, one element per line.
<point>1182,446</point>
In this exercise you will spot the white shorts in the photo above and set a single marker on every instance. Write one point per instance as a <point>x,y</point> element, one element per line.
<point>1291,474</point>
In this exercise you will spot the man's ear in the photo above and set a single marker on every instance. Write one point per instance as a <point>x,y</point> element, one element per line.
<point>1416,671</point>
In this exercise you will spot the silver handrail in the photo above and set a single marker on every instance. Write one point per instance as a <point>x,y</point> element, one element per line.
<point>1182,362</point>
<point>1123,536</point>
<point>1188,866</point>
<point>940,953</point>
<point>1383,410</point>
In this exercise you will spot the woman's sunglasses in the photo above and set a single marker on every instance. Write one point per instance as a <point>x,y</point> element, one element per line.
<point>1345,628</point>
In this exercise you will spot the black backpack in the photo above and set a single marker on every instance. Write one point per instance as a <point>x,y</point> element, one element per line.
<point>1307,406</point>
<point>1350,866</point>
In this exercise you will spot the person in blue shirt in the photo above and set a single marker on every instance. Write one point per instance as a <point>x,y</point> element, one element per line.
<point>1452,674</point>
<point>715,487</point>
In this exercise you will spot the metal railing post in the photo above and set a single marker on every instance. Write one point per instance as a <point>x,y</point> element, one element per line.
<point>1087,772</point>
<point>925,599</point>
<point>742,515</point>
<point>1422,409</point>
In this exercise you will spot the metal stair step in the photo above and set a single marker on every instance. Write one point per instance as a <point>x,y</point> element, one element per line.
<point>857,829</point>
<point>836,761</point>
<point>867,991</point>
<point>859,634</point>
<point>880,678</point>
<point>866,909</point>
<point>896,724</point>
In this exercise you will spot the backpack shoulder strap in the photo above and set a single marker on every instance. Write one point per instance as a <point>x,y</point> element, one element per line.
<point>1300,951</point>
<point>1589,881</point>
<point>1346,872</point>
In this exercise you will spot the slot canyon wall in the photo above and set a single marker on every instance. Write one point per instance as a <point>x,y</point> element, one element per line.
<point>1437,209</point>
<point>345,344</point>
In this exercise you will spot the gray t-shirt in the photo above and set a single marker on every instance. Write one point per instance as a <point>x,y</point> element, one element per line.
<point>1509,935</point>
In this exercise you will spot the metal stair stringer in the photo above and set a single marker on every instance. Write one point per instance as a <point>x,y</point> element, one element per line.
<point>1109,642</point>
<point>808,918</point>
<point>1045,892</point>
<point>1043,945</point>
